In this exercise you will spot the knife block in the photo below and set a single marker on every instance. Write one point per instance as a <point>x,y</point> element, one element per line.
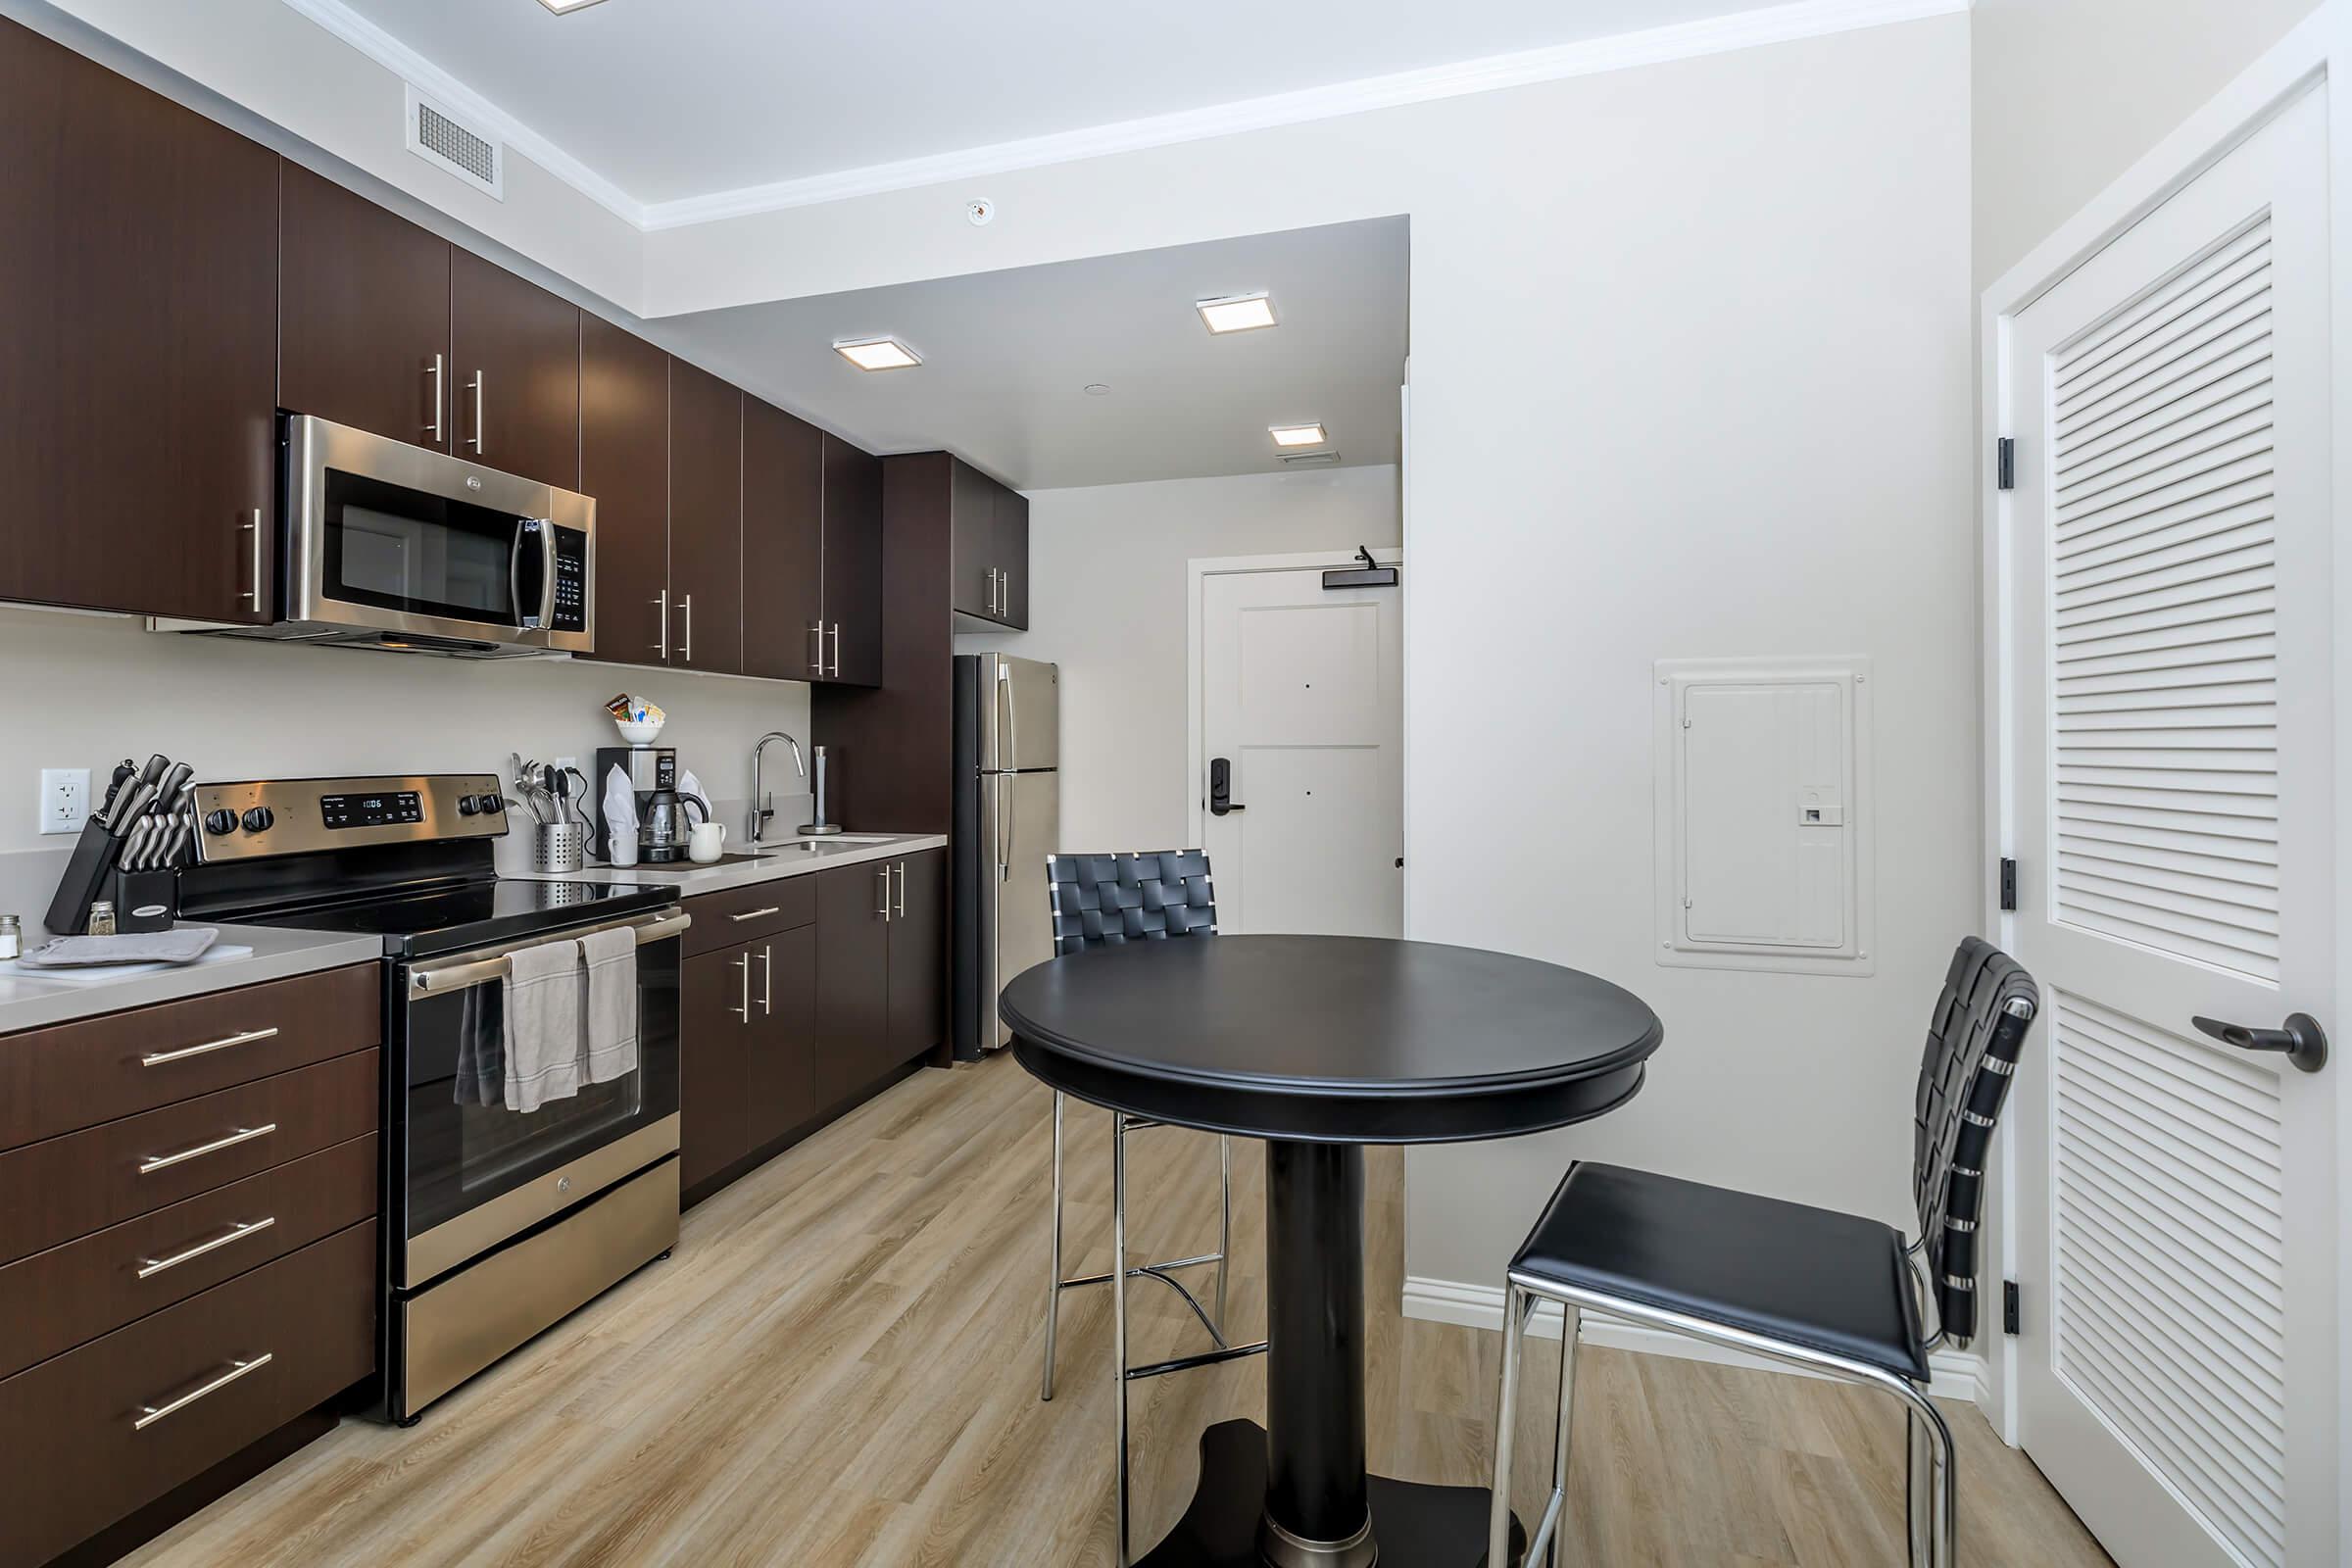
<point>145,901</point>
<point>90,874</point>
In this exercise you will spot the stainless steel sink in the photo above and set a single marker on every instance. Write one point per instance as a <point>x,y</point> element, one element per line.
<point>825,844</point>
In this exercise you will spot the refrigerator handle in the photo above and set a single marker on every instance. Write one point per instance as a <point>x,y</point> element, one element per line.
<point>1012,725</point>
<point>1005,829</point>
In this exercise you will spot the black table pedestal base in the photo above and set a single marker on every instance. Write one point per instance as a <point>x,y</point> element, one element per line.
<point>1417,1526</point>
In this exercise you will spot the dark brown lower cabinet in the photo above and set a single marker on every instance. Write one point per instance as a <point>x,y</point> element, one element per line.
<point>918,955</point>
<point>853,977</point>
<point>746,1022</point>
<point>92,1435</point>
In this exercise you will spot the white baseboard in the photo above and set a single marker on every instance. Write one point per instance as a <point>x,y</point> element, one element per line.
<point>1958,1375</point>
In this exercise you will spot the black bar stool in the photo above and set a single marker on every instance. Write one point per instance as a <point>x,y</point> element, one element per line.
<point>1831,1292</point>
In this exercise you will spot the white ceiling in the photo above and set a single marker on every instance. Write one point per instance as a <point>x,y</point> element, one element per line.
<point>671,99</point>
<point>1007,356</point>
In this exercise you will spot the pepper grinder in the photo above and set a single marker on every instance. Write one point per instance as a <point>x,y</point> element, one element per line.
<point>820,775</point>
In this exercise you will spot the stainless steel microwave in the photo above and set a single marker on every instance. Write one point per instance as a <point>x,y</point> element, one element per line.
<point>386,545</point>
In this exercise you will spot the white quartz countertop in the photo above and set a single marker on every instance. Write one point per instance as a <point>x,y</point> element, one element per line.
<point>33,1000</point>
<point>766,865</point>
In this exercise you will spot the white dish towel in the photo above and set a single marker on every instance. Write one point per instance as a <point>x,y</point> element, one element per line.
<point>609,1040</point>
<point>545,992</point>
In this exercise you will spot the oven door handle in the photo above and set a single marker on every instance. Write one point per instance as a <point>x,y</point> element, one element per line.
<point>436,980</point>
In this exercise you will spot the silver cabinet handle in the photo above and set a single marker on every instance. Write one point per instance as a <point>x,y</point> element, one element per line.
<point>157,1059</point>
<point>150,1414</point>
<point>436,373</point>
<point>837,650</point>
<point>1005,593</point>
<point>745,964</point>
<point>243,1135</point>
<point>686,606</point>
<point>768,982</point>
<point>901,906</point>
<point>661,602</point>
<point>253,594</point>
<point>818,630</point>
<point>235,1233</point>
<point>481,396</point>
<point>992,590</point>
<point>884,911</point>
<point>754,914</point>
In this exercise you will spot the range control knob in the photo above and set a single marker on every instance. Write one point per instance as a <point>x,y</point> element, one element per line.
<point>220,821</point>
<point>490,804</point>
<point>468,804</point>
<point>258,819</point>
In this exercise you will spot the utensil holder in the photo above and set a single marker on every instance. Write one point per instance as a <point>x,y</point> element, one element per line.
<point>558,847</point>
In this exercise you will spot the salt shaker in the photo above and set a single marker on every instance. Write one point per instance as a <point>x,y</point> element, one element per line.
<point>102,918</point>
<point>12,937</point>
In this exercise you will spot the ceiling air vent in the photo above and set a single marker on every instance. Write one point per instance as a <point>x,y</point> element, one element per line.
<point>441,138</point>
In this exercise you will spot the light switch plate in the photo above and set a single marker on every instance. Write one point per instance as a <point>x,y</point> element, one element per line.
<point>65,799</point>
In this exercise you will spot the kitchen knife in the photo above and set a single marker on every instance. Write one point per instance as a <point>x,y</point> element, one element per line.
<point>136,798</point>
<point>124,772</point>
<point>135,845</point>
<point>168,793</point>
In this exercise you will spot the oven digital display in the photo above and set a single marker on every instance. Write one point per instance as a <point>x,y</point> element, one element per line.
<point>370,810</point>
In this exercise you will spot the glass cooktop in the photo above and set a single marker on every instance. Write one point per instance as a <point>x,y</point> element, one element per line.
<point>474,914</point>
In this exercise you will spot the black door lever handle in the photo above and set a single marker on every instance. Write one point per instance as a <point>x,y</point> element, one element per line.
<point>1220,788</point>
<point>2303,1040</point>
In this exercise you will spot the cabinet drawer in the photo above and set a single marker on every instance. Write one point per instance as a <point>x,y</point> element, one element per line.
<point>93,1071</point>
<point>742,915</point>
<point>70,1295</point>
<point>85,1438</point>
<point>68,1187</point>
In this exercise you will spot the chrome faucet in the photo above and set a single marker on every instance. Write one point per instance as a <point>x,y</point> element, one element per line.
<point>763,806</point>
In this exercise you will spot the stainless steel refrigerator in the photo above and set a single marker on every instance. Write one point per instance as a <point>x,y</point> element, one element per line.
<point>1007,819</point>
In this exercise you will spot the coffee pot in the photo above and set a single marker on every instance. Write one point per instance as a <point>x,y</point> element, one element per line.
<point>666,819</point>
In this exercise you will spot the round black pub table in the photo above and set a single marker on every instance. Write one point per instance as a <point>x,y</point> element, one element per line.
<point>1320,1045</point>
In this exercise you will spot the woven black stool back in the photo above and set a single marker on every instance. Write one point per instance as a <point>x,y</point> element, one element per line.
<point>1974,1039</point>
<point>1104,898</point>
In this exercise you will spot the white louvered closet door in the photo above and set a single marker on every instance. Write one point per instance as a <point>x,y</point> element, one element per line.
<point>2174,810</point>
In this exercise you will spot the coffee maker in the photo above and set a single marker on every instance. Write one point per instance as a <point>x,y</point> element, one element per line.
<point>652,775</point>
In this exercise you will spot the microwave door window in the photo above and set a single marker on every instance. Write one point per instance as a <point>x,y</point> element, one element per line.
<point>417,554</point>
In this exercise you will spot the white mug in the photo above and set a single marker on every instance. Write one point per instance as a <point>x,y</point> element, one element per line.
<point>701,844</point>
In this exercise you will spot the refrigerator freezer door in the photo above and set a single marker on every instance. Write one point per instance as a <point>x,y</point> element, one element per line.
<point>1020,715</point>
<point>1022,814</point>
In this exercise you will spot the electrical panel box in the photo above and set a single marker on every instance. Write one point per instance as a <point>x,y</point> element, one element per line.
<point>1764,848</point>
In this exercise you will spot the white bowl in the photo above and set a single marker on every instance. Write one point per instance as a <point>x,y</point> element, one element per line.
<point>637,734</point>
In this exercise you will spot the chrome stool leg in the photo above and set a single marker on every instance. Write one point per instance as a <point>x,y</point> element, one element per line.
<point>1555,1512</point>
<point>1054,1266</point>
<point>1118,1306</point>
<point>1932,1502</point>
<point>1224,1222</point>
<point>1516,1305</point>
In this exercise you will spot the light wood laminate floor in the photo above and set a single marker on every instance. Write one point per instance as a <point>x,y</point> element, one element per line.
<point>839,1369</point>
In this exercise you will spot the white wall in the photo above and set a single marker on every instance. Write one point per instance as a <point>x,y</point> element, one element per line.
<point>85,690</point>
<point>1106,597</point>
<point>2069,93</point>
<point>1692,367</point>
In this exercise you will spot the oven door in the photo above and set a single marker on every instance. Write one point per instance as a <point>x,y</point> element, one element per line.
<point>393,538</point>
<point>469,1173</point>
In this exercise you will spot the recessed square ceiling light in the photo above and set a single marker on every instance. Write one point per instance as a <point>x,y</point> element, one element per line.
<point>877,353</point>
<point>1297,435</point>
<point>559,7</point>
<point>1235,313</point>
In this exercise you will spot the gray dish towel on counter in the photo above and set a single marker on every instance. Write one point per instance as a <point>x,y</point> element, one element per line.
<point>609,1047</point>
<point>544,990</point>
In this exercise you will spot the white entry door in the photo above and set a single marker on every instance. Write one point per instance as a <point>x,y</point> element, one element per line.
<point>1301,703</point>
<point>2176,813</point>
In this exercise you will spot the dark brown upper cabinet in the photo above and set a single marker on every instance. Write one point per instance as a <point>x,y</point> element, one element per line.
<point>137,360</point>
<point>1012,558</point>
<point>783,546</point>
<point>706,521</point>
<point>624,463</point>
<point>514,362</point>
<point>852,515</point>
<point>362,315</point>
<point>988,529</point>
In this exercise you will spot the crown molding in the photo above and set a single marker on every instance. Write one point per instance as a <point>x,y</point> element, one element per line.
<point>461,100</point>
<point>1746,29</point>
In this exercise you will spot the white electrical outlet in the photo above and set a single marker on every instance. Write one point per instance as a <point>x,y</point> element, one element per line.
<point>65,799</point>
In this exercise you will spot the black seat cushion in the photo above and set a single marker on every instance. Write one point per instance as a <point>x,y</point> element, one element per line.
<point>1814,1277</point>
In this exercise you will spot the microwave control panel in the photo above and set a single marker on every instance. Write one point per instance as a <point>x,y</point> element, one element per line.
<point>572,581</point>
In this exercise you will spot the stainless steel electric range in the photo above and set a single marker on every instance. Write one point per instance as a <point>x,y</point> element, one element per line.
<point>497,1222</point>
